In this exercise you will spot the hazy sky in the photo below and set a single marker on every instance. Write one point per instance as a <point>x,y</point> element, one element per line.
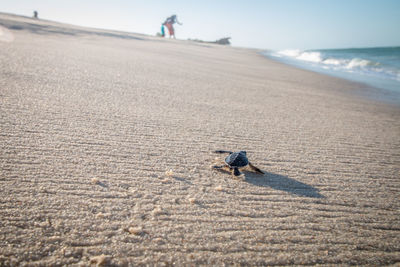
<point>269,24</point>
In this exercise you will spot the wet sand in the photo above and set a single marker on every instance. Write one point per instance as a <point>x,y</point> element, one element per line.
<point>106,146</point>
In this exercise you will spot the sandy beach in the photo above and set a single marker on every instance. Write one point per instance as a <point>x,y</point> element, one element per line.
<point>107,139</point>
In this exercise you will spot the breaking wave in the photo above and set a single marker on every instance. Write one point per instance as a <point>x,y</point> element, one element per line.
<point>379,66</point>
<point>326,61</point>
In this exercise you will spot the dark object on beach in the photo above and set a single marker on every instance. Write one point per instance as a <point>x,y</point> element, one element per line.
<point>35,14</point>
<point>223,41</point>
<point>236,160</point>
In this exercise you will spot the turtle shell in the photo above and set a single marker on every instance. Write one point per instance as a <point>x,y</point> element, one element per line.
<point>237,159</point>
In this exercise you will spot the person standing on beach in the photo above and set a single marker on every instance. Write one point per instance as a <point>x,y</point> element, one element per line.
<point>169,22</point>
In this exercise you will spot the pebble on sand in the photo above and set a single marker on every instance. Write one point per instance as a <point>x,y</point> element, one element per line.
<point>100,215</point>
<point>169,173</point>
<point>101,260</point>
<point>158,211</point>
<point>219,188</point>
<point>192,200</point>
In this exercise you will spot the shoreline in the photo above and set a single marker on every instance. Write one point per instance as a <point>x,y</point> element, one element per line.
<point>355,89</point>
<point>371,89</point>
<point>106,146</point>
<point>363,90</point>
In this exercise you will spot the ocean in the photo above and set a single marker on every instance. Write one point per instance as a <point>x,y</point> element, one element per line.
<point>378,67</point>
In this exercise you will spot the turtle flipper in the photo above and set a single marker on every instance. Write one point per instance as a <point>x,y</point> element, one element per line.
<point>222,168</point>
<point>236,172</point>
<point>254,168</point>
<point>218,167</point>
<point>223,152</point>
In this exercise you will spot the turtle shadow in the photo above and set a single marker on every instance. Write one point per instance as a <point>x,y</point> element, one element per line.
<point>282,183</point>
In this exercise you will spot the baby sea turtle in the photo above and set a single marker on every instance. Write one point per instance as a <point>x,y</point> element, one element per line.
<point>236,160</point>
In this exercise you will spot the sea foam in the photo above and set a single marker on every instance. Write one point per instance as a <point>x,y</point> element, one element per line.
<point>317,57</point>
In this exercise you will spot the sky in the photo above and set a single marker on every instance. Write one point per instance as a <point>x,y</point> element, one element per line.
<point>265,24</point>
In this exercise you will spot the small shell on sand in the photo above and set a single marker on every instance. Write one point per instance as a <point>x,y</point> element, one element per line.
<point>169,173</point>
<point>219,188</point>
<point>95,181</point>
<point>135,230</point>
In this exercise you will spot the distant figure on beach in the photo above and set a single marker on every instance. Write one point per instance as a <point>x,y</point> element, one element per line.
<point>35,14</point>
<point>169,22</point>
